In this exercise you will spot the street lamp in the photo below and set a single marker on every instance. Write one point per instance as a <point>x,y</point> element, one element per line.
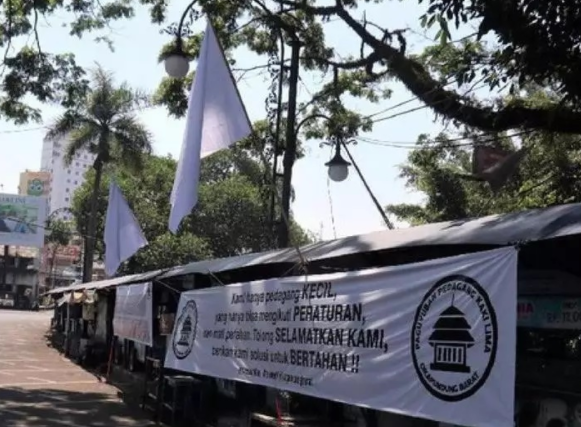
<point>338,167</point>
<point>176,62</point>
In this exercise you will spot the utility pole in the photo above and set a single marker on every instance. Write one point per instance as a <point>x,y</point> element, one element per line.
<point>5,267</point>
<point>87,261</point>
<point>4,273</point>
<point>290,152</point>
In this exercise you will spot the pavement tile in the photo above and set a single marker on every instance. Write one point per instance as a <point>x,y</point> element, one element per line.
<point>40,388</point>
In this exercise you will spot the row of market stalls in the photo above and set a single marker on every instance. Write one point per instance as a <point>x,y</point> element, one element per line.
<point>548,367</point>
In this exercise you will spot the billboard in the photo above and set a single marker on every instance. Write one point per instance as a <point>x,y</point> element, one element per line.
<point>34,184</point>
<point>63,255</point>
<point>22,220</point>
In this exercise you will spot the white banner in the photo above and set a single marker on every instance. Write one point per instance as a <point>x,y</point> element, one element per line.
<point>133,314</point>
<point>434,339</point>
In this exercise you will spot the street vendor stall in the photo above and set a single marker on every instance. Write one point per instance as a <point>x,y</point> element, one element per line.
<point>548,242</point>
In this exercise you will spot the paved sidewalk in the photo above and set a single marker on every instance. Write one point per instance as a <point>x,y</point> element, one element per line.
<point>41,388</point>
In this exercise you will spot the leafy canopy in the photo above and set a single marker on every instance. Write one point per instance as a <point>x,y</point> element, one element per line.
<point>548,175</point>
<point>231,218</point>
<point>58,232</point>
<point>528,42</point>
<point>105,125</point>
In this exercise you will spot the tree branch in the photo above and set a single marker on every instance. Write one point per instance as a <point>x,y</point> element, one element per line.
<point>449,104</point>
<point>9,35</point>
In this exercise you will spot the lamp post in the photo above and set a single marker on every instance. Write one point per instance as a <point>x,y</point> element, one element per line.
<point>177,63</point>
<point>338,166</point>
<point>290,151</point>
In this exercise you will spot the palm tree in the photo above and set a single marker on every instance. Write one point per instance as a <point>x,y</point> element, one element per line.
<point>105,126</point>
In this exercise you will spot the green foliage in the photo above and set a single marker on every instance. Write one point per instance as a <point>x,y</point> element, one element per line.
<point>535,42</point>
<point>257,28</point>
<point>105,125</point>
<point>59,232</point>
<point>231,218</point>
<point>548,175</point>
<point>27,70</point>
<point>518,26</point>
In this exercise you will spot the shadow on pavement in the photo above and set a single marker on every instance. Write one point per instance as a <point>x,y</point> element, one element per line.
<point>45,407</point>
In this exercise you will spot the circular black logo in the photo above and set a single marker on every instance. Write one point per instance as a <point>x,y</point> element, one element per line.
<point>454,338</point>
<point>184,333</point>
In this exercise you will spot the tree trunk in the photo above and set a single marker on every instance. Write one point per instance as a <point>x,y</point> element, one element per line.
<point>290,152</point>
<point>52,262</point>
<point>90,239</point>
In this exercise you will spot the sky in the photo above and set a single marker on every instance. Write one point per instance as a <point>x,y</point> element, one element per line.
<point>326,208</point>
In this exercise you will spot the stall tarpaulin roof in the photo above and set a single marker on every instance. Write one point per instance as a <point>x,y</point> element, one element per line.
<point>73,297</point>
<point>116,281</point>
<point>497,230</point>
<point>64,299</point>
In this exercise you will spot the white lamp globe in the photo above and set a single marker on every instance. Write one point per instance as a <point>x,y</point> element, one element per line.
<point>338,166</point>
<point>176,66</point>
<point>338,172</point>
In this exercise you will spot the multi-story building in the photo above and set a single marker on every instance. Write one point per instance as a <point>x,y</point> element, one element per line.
<point>61,265</point>
<point>18,276</point>
<point>65,178</point>
<point>64,264</point>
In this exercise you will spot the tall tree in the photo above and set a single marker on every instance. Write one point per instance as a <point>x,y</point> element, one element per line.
<point>105,126</point>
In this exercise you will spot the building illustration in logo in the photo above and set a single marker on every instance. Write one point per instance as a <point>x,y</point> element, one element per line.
<point>184,334</point>
<point>450,340</point>
<point>454,338</point>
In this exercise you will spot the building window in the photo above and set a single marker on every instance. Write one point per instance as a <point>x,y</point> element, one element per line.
<point>67,190</point>
<point>69,171</point>
<point>68,180</point>
<point>76,182</point>
<point>66,199</point>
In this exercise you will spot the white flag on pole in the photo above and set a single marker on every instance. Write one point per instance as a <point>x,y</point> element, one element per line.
<point>216,119</point>
<point>123,235</point>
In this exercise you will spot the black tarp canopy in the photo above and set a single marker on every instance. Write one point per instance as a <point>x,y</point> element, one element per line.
<point>438,239</point>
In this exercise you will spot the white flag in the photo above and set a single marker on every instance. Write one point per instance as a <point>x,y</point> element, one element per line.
<point>123,235</point>
<point>215,120</point>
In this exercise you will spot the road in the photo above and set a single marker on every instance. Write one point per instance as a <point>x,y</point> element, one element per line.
<point>41,388</point>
